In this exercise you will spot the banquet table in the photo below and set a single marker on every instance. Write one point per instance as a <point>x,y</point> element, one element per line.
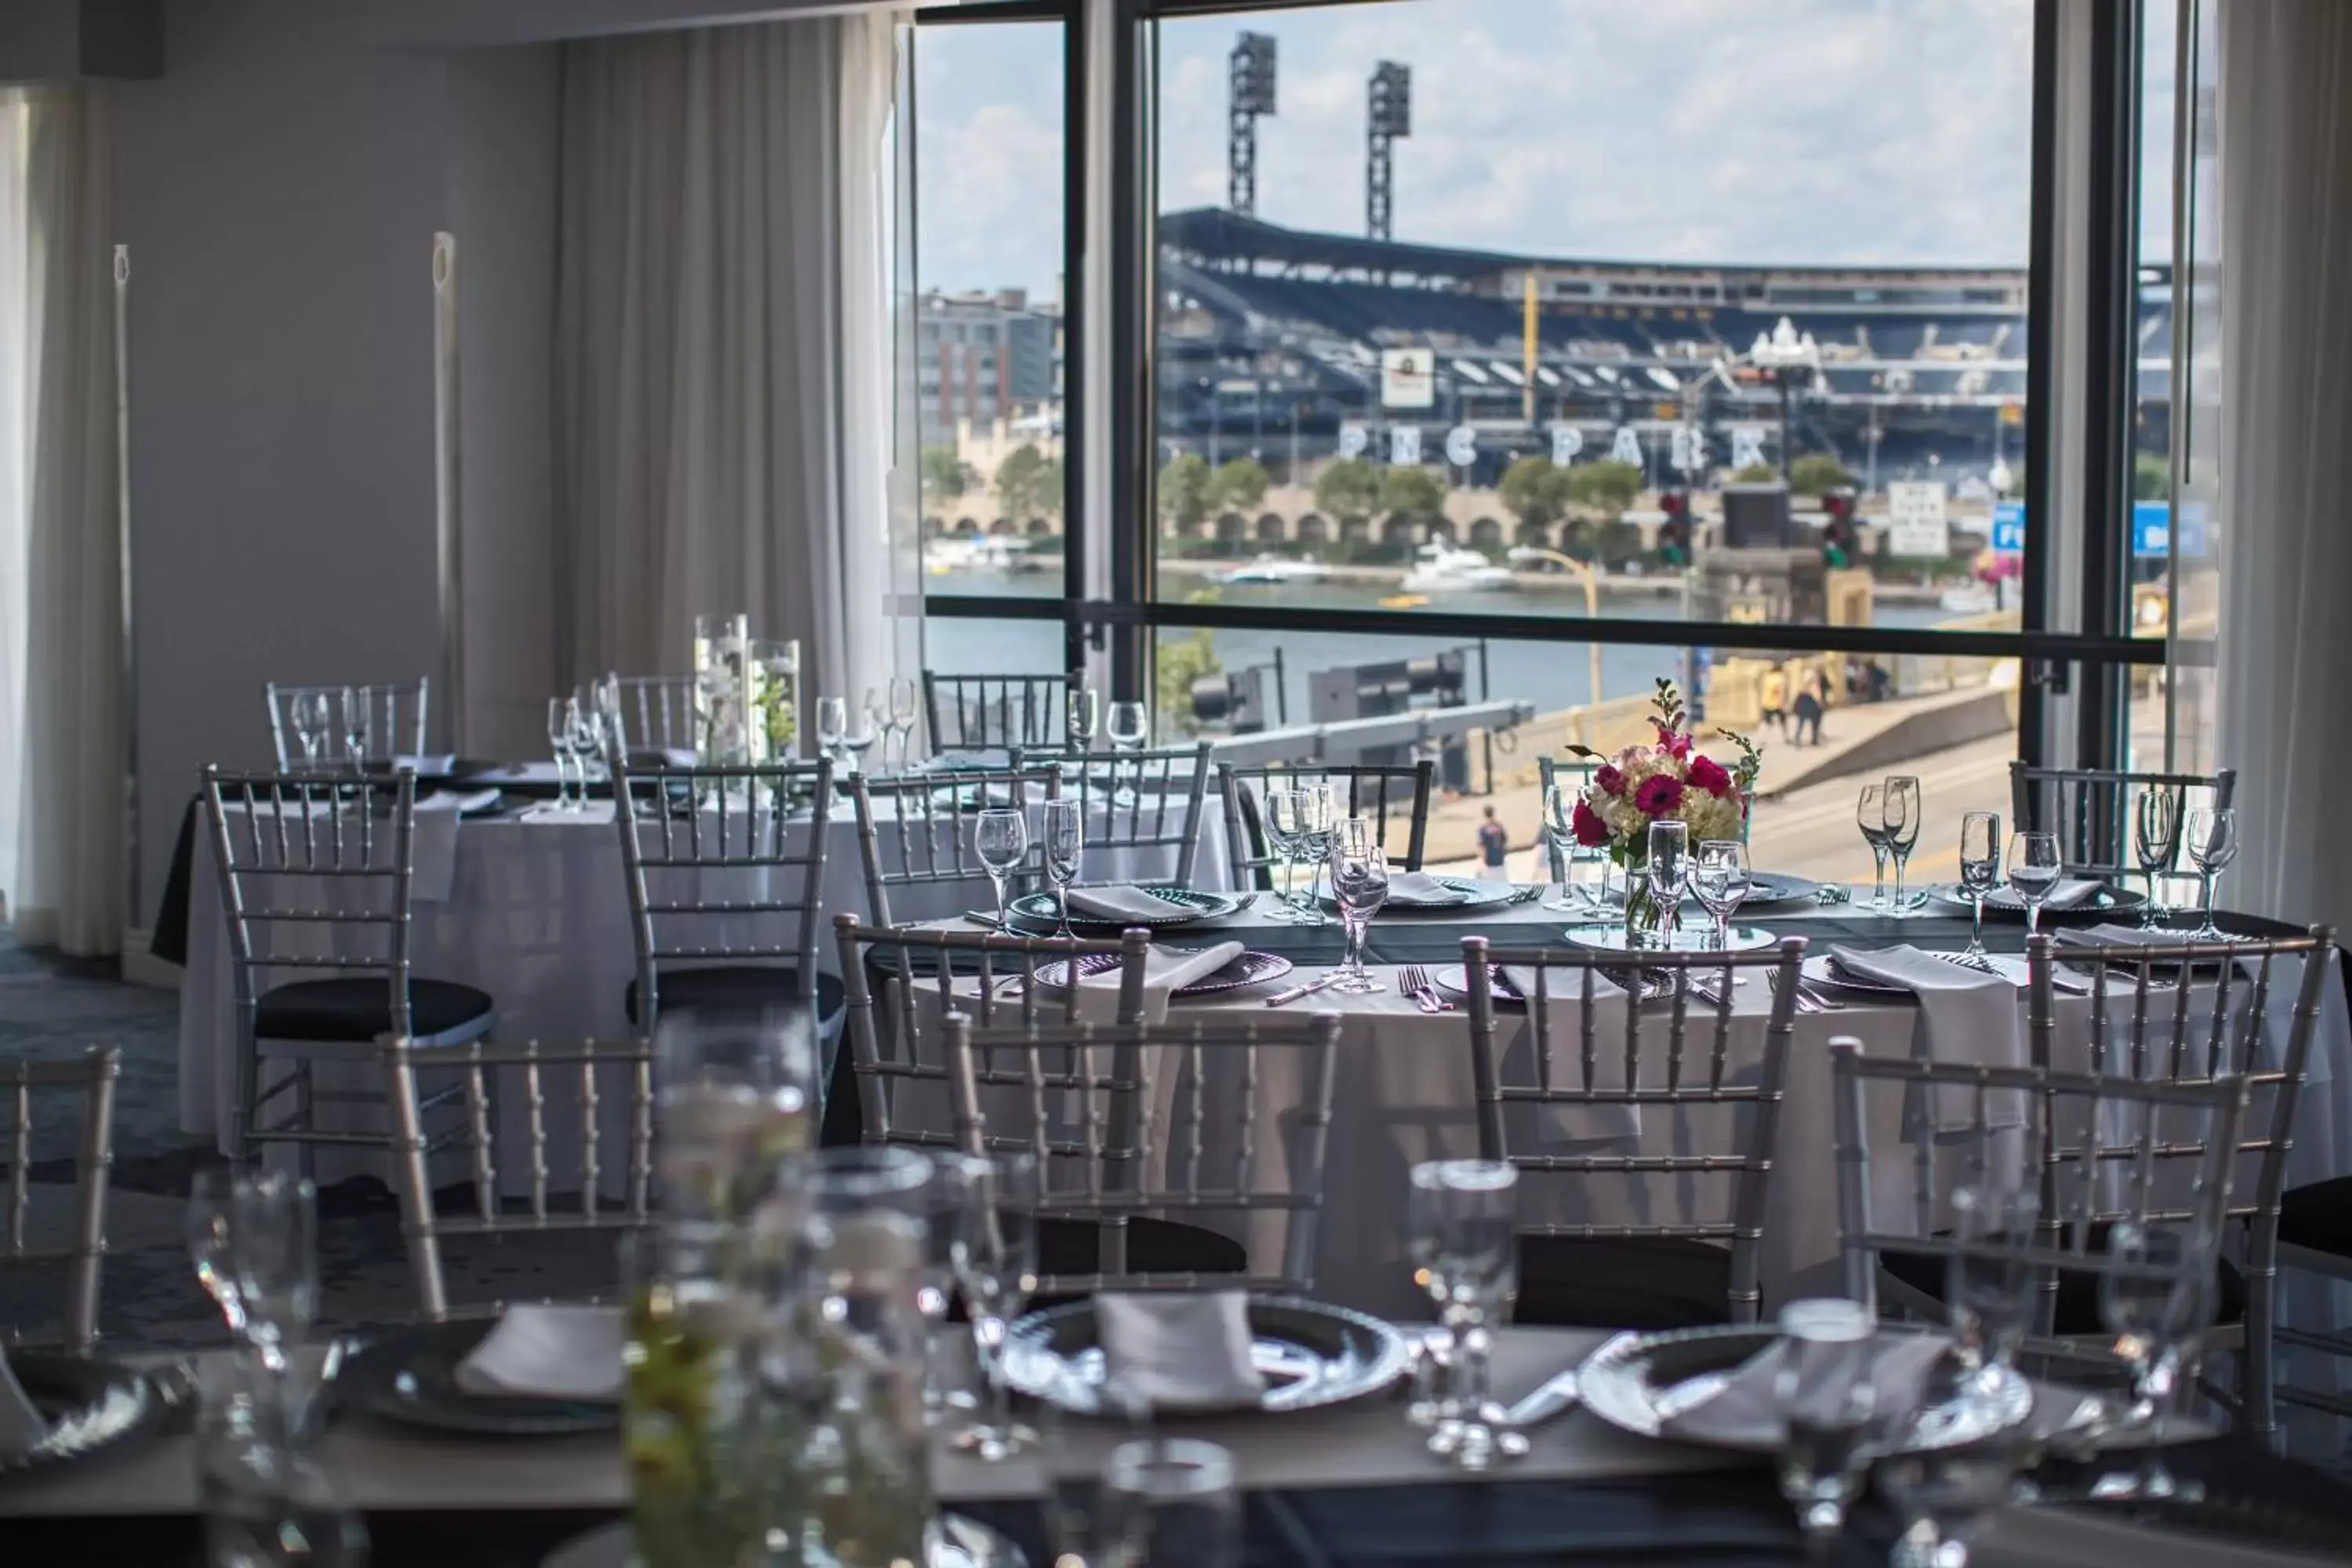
<point>1338,1488</point>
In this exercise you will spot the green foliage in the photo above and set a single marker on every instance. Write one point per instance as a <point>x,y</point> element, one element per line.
<point>1817,472</point>
<point>1756,474</point>
<point>1412,491</point>
<point>945,476</point>
<point>1186,487</point>
<point>1606,485</point>
<point>1241,485</point>
<point>2151,478</point>
<point>1181,661</point>
<point>1751,760</point>
<point>1348,488</point>
<point>1535,490</point>
<point>1029,484</point>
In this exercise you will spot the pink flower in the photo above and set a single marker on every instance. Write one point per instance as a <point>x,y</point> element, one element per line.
<point>1707,774</point>
<point>1610,779</point>
<point>1659,795</point>
<point>1673,743</point>
<point>1590,831</point>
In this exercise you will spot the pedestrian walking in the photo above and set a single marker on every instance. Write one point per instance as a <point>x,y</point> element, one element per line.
<point>1773,692</point>
<point>1494,845</point>
<point>1809,707</point>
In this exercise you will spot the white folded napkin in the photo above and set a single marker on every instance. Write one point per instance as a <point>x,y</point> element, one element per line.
<point>1745,1409</point>
<point>1420,890</point>
<point>21,1425</point>
<point>1189,1351</point>
<point>460,801</point>
<point>1563,1014</point>
<point>1965,1015</point>
<point>2064,894</point>
<point>1125,903</point>
<point>429,762</point>
<point>1166,970</point>
<point>548,1352</point>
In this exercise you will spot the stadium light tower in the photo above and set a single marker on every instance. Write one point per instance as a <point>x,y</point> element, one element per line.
<point>1250,69</point>
<point>1790,359</point>
<point>1390,117</point>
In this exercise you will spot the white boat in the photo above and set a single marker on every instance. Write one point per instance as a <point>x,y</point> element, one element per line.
<point>1275,569</point>
<point>1441,568</point>
<point>1972,599</point>
<point>976,552</point>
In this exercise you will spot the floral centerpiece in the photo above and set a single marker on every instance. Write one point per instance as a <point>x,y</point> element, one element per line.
<point>1669,780</point>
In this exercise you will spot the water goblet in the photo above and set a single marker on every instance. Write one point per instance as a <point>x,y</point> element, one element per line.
<point>1359,886</point>
<point>995,1261</point>
<point>833,729</point>
<point>1083,717</point>
<point>2155,842</point>
<point>1870,816</point>
<point>1322,814</point>
<point>902,719</point>
<point>1560,839</point>
<point>274,1253</point>
<point>212,1241</point>
<point>587,735</point>
<point>1066,844</point>
<point>1941,1494</point>
<point>2157,1295</point>
<point>1827,1402</point>
<point>559,740</point>
<point>1001,839</point>
<point>1462,1228</point>
<point>1285,834</point>
<point>861,730</point>
<point>1979,873</point>
<point>1129,726</point>
<point>1904,809</point>
<point>355,728</point>
<point>2034,864</point>
<point>1669,865</point>
<point>1719,880</point>
<point>312,724</point>
<point>2212,835</point>
<point>1990,1289</point>
<point>1170,1502</point>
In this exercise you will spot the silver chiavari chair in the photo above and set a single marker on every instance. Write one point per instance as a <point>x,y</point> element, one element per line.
<point>1396,800</point>
<point>651,713</point>
<point>902,986</point>
<point>997,712</point>
<point>92,1077</point>
<point>315,874</point>
<point>917,831</point>
<point>726,877</point>
<point>2090,810</point>
<point>2095,1150</point>
<point>1665,1273</point>
<point>540,1213</point>
<point>394,713</point>
<point>1142,801</point>
<point>1085,1100</point>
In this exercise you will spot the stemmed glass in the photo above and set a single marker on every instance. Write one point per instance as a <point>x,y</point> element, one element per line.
<point>1001,839</point>
<point>558,737</point>
<point>2033,867</point>
<point>902,721</point>
<point>1941,1493</point>
<point>1083,715</point>
<point>1904,809</point>
<point>586,720</point>
<point>1286,834</point>
<point>1066,844</point>
<point>355,729</point>
<point>1719,880</point>
<point>1828,1401</point>
<point>212,1242</point>
<point>1322,815</point>
<point>1462,1222</point>
<point>1990,1287</point>
<point>1129,727</point>
<point>833,727</point>
<point>1170,1502</point>
<point>1669,863</point>
<point>1559,838</point>
<point>1359,886</point>
<point>860,741</point>
<point>2212,834</point>
<point>996,1263</point>
<point>1870,816</point>
<point>1979,874</point>
<point>273,1252</point>
<point>312,723</point>
<point>2157,1297</point>
<point>2155,839</point>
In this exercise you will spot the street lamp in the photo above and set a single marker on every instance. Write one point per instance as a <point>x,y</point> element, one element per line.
<point>1523,554</point>
<point>1785,354</point>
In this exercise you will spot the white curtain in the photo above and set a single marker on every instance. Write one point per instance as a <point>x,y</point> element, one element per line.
<point>61,676</point>
<point>2285,480</point>
<point>721,336</point>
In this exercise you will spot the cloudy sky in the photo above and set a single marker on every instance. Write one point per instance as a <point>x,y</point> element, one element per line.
<point>1752,130</point>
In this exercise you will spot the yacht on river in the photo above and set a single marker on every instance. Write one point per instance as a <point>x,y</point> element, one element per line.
<point>1440,567</point>
<point>1276,569</point>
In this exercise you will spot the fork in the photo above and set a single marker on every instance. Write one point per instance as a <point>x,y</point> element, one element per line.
<point>1416,983</point>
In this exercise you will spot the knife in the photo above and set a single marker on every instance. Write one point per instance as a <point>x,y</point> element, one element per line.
<point>1282,998</point>
<point>1555,1395</point>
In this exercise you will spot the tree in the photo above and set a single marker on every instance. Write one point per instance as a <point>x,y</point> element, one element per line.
<point>1817,472</point>
<point>945,475</point>
<point>1412,493</point>
<point>1348,488</point>
<point>1535,490</point>
<point>1029,484</point>
<point>1182,661</point>
<point>1241,485</point>
<point>1606,485</point>
<point>2151,478</point>
<point>1185,486</point>
<point>1756,474</point>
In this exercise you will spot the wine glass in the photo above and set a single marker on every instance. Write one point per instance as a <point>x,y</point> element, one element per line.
<point>1084,717</point>
<point>2212,835</point>
<point>1461,1222</point>
<point>1903,807</point>
<point>311,725</point>
<point>1669,864</point>
<point>274,1253</point>
<point>1941,1493</point>
<point>1979,874</point>
<point>1827,1400</point>
<point>1285,832</point>
<point>586,720</point>
<point>860,739</point>
<point>1001,839</point>
<point>1870,816</point>
<point>355,728</point>
<point>2155,839</point>
<point>833,727</point>
<point>1322,815</point>
<point>1129,725</point>
<point>996,1263</point>
<point>1359,886</point>
<point>2033,867</point>
<point>1990,1287</point>
<point>1066,844</point>
<point>558,740</point>
<point>1719,880</point>
<point>212,1242</point>
<point>1170,1502</point>
<point>902,719</point>
<point>2157,1297</point>
<point>1559,838</point>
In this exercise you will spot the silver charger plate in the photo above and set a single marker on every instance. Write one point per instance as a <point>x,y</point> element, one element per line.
<point>2107,900</point>
<point>410,1376</point>
<point>1041,908</point>
<point>1475,895</point>
<point>1771,889</point>
<point>1689,938</point>
<point>1636,1382</point>
<point>950,1541</point>
<point>1246,969</point>
<point>89,1405</point>
<point>1311,1355</point>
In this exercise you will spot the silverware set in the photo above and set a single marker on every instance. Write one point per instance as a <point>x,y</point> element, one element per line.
<point>1299,993</point>
<point>1414,982</point>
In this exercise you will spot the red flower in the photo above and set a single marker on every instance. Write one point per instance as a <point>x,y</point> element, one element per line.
<point>1707,774</point>
<point>1590,831</point>
<point>1611,781</point>
<point>1659,793</point>
<point>1674,742</point>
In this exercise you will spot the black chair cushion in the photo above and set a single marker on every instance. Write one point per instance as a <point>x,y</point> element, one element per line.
<point>1653,1283</point>
<point>1071,1246</point>
<point>2078,1288</point>
<point>744,989</point>
<point>2318,1217</point>
<point>361,1009</point>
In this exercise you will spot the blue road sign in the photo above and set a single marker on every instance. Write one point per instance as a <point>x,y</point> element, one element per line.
<point>2152,529</point>
<point>2009,527</point>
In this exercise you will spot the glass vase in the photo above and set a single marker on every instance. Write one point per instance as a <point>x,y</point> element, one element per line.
<point>1645,918</point>
<point>772,698</point>
<point>721,649</point>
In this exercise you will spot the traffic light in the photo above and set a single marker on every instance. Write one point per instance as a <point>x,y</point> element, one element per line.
<point>1675,534</point>
<point>1838,536</point>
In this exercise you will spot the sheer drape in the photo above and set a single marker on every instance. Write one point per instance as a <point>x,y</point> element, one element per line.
<point>61,677</point>
<point>2286,130</point>
<point>718,334</point>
